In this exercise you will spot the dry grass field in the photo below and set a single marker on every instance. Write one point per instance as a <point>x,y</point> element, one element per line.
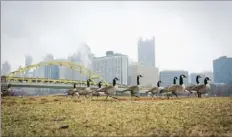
<point>61,116</point>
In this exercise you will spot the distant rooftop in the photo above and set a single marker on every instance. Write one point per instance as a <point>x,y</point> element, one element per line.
<point>146,38</point>
<point>174,71</point>
<point>110,54</point>
<point>224,57</point>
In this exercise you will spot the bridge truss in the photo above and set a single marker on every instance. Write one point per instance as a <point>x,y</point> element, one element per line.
<point>11,77</point>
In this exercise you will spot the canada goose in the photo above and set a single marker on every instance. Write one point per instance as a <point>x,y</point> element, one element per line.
<point>190,88</point>
<point>134,89</point>
<point>155,90</point>
<point>72,92</point>
<point>86,90</point>
<point>166,91</point>
<point>203,88</point>
<point>7,92</point>
<point>175,89</point>
<point>94,92</point>
<point>110,90</point>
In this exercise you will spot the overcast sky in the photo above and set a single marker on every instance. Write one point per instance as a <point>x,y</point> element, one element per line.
<point>189,35</point>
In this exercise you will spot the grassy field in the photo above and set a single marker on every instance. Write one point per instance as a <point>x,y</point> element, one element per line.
<point>48,116</point>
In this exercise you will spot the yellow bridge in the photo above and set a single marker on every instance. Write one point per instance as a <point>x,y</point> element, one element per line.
<point>12,78</point>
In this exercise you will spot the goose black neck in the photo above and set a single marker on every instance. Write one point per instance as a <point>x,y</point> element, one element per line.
<point>99,85</point>
<point>197,80</point>
<point>138,80</point>
<point>158,84</point>
<point>114,82</point>
<point>74,86</point>
<point>181,80</point>
<point>205,81</point>
<point>174,81</point>
<point>88,83</point>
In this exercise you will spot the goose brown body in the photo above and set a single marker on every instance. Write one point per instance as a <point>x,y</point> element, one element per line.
<point>203,88</point>
<point>134,89</point>
<point>165,89</point>
<point>73,91</point>
<point>176,89</point>
<point>85,90</point>
<point>110,90</point>
<point>155,90</point>
<point>95,91</point>
<point>191,87</point>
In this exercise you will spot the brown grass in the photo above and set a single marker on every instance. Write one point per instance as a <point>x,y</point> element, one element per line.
<point>43,116</point>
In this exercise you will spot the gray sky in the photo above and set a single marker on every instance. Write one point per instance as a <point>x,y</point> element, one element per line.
<point>189,35</point>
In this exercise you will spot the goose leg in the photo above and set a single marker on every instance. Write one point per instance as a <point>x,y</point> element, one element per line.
<point>196,94</point>
<point>199,94</point>
<point>157,95</point>
<point>137,96</point>
<point>114,97</point>
<point>168,96</point>
<point>189,93</point>
<point>153,95</point>
<point>175,94</point>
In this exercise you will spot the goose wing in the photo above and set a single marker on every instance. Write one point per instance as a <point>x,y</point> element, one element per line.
<point>190,87</point>
<point>94,88</point>
<point>130,88</point>
<point>174,87</point>
<point>81,88</point>
<point>197,88</point>
<point>105,89</point>
<point>152,89</point>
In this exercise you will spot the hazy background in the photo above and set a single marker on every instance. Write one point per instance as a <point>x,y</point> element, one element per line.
<point>189,35</point>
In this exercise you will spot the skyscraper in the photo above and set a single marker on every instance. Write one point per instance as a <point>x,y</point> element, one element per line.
<point>6,68</point>
<point>28,61</point>
<point>222,69</point>
<point>112,65</point>
<point>146,51</point>
<point>82,56</point>
<point>51,71</point>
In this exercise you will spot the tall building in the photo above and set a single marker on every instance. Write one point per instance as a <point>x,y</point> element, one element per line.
<point>28,61</point>
<point>112,65</point>
<point>166,77</point>
<point>19,74</point>
<point>82,56</point>
<point>149,73</point>
<point>62,70</point>
<point>222,70</point>
<point>6,68</point>
<point>51,71</point>
<point>146,51</point>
